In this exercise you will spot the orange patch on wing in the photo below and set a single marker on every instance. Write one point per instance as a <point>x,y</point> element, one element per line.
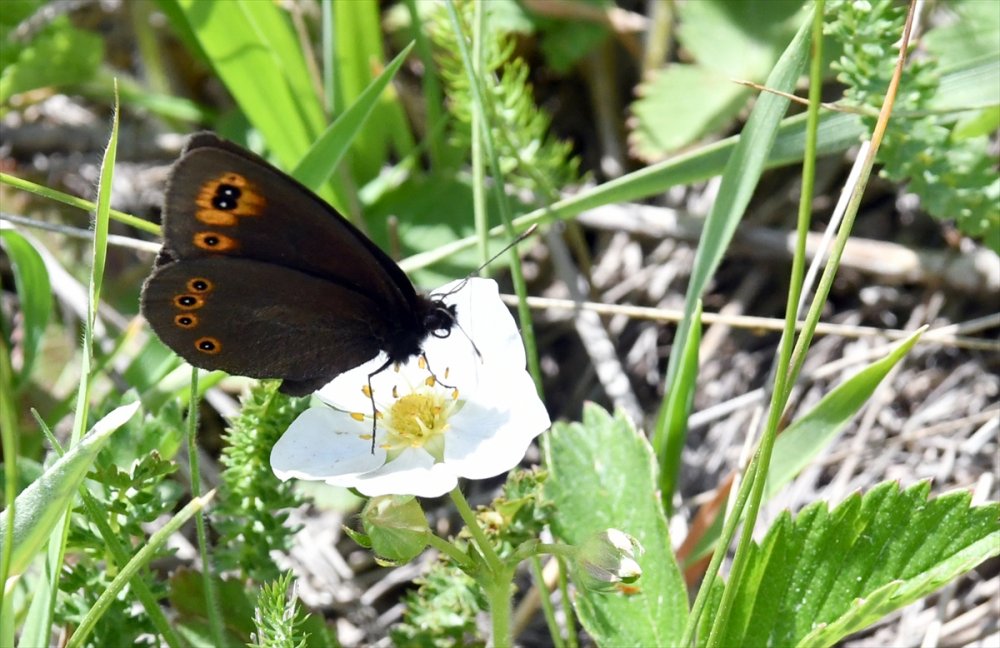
<point>208,345</point>
<point>214,242</point>
<point>249,202</point>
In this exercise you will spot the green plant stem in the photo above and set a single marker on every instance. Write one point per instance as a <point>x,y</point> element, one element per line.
<point>211,599</point>
<point>496,580</point>
<point>8,441</point>
<point>516,274</point>
<point>536,548</point>
<point>478,164</point>
<point>568,609</point>
<point>498,596</point>
<point>469,517</point>
<point>544,596</point>
<point>755,478</point>
<point>79,203</point>
<point>457,555</point>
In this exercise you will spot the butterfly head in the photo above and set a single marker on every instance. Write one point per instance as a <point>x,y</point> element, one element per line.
<point>440,318</point>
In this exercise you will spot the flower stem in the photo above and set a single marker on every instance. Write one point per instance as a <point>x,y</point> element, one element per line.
<point>498,596</point>
<point>495,580</point>
<point>461,559</point>
<point>464,510</point>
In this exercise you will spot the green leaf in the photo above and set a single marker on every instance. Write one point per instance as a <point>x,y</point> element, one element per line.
<point>358,44</point>
<point>601,476</point>
<point>663,123</point>
<point>44,502</point>
<point>804,439</point>
<point>826,574</point>
<point>60,55</point>
<point>253,48</point>
<point>739,179</point>
<point>679,405</point>
<point>34,291</point>
<point>188,600</point>
<point>323,157</point>
<point>737,38</point>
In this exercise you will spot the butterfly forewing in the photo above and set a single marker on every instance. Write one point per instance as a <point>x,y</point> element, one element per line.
<point>221,194</point>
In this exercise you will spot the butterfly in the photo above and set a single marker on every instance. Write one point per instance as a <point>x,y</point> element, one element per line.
<point>259,277</point>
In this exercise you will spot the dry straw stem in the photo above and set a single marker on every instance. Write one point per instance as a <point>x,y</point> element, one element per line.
<point>945,335</point>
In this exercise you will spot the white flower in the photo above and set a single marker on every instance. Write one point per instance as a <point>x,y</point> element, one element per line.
<point>465,415</point>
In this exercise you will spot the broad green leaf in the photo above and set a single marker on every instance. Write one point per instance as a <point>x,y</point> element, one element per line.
<point>804,439</point>
<point>359,52</point>
<point>728,40</point>
<point>739,38</point>
<point>825,574</point>
<point>680,104</point>
<point>34,291</point>
<point>59,56</point>
<point>255,52</point>
<point>602,475</point>
<point>44,502</point>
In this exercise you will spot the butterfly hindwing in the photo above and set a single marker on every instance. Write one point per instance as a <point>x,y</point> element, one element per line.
<point>261,320</point>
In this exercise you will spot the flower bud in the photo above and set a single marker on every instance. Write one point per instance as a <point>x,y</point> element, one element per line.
<point>608,559</point>
<point>396,527</point>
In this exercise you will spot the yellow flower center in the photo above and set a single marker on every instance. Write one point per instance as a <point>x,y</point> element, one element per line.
<point>419,419</point>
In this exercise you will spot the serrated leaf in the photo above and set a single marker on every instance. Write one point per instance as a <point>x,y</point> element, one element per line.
<point>739,38</point>
<point>680,104</point>
<point>602,475</point>
<point>44,502</point>
<point>826,574</point>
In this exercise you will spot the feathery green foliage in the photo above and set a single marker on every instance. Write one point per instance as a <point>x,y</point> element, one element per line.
<point>278,617</point>
<point>530,157</point>
<point>131,498</point>
<point>954,176</point>
<point>249,517</point>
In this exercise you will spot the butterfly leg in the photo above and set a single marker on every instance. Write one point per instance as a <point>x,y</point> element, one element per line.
<point>371,396</point>
<point>437,380</point>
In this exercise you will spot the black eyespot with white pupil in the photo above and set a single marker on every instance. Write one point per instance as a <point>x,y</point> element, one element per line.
<point>226,197</point>
<point>209,345</point>
<point>211,241</point>
<point>199,285</point>
<point>187,300</point>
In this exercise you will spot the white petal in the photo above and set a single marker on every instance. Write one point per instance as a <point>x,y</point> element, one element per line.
<point>345,391</point>
<point>413,472</point>
<point>322,443</point>
<point>485,324</point>
<point>491,433</point>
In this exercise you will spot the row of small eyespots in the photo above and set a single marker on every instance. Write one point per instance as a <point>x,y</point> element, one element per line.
<point>188,319</point>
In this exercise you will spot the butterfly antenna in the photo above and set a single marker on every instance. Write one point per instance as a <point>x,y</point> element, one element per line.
<point>523,235</point>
